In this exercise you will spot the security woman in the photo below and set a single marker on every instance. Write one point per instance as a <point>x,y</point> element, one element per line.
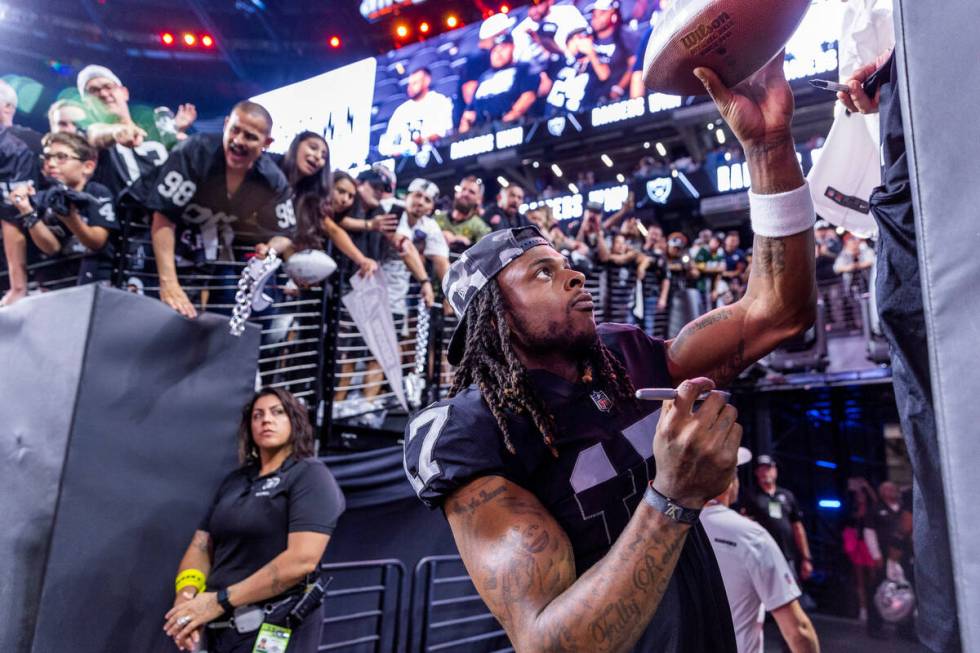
<point>250,572</point>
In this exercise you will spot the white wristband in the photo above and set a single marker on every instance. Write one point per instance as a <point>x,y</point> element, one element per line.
<point>783,214</point>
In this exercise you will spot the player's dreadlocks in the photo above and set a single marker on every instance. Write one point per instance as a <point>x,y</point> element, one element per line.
<point>489,361</point>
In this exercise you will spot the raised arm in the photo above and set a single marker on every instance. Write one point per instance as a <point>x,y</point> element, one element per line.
<point>521,560</point>
<point>780,300</point>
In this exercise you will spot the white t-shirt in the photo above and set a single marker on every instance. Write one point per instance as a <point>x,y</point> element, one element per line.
<point>426,235</point>
<point>756,575</point>
<point>433,114</point>
<point>566,19</point>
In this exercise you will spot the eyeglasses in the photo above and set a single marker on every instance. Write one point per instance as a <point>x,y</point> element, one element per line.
<point>60,157</point>
<point>95,89</point>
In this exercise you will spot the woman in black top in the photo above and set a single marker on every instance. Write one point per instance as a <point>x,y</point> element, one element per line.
<point>266,531</point>
<point>307,169</point>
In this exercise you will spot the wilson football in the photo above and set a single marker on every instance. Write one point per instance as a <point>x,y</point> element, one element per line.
<point>734,38</point>
<point>310,266</point>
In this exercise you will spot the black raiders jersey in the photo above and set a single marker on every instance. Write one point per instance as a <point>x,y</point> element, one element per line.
<point>190,189</point>
<point>604,463</point>
<point>120,166</point>
<point>500,88</point>
<point>18,167</point>
<point>574,85</point>
<point>97,211</point>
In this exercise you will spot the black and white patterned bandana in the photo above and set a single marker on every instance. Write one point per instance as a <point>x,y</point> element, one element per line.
<point>476,267</point>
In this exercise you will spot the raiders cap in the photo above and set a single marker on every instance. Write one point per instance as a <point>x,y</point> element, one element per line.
<point>476,267</point>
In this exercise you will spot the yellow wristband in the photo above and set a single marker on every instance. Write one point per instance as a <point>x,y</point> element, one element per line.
<point>190,578</point>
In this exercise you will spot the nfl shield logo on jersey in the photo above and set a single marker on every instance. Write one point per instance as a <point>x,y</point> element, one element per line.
<point>602,402</point>
<point>659,189</point>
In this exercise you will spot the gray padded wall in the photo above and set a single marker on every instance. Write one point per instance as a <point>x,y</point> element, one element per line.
<point>938,54</point>
<point>38,366</point>
<point>143,447</point>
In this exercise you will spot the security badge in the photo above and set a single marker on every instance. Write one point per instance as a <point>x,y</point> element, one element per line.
<point>269,485</point>
<point>272,639</point>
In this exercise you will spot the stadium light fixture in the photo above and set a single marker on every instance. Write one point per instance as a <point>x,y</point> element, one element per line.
<point>189,39</point>
<point>401,31</point>
<point>424,27</point>
<point>167,38</point>
<point>334,41</point>
<point>452,22</point>
<point>207,40</point>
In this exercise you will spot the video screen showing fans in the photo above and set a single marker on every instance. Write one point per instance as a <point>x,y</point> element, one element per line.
<point>536,62</point>
<point>539,61</point>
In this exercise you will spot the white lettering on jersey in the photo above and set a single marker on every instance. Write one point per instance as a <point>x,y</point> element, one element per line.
<point>215,228</point>
<point>499,83</point>
<point>176,189</point>
<point>435,418</point>
<point>568,91</point>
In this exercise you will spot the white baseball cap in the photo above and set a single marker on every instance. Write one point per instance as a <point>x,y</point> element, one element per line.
<point>744,456</point>
<point>425,187</point>
<point>496,24</point>
<point>90,72</point>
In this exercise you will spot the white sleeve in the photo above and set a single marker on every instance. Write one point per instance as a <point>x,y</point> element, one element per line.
<point>771,576</point>
<point>393,140</point>
<point>571,19</point>
<point>871,540</point>
<point>435,242</point>
<point>403,228</point>
<point>443,118</point>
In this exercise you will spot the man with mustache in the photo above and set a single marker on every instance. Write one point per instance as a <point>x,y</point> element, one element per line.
<point>575,506</point>
<point>215,193</point>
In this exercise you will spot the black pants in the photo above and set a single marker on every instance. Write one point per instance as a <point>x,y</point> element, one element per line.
<point>304,639</point>
<point>899,294</point>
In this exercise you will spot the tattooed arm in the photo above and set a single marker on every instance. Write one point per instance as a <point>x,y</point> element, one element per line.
<point>521,560</point>
<point>521,563</point>
<point>197,556</point>
<point>302,556</point>
<point>780,300</point>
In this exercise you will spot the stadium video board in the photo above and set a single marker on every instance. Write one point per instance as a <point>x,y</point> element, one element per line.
<point>539,62</point>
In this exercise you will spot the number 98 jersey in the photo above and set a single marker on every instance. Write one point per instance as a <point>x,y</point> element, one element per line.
<point>190,189</point>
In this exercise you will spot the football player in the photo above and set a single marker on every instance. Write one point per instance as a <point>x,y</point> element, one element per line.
<point>574,506</point>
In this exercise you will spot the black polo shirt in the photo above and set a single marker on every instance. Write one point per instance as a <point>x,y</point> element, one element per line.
<point>776,513</point>
<point>252,516</point>
<point>605,461</point>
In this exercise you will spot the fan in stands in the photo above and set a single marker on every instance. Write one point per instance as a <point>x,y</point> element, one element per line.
<point>734,38</point>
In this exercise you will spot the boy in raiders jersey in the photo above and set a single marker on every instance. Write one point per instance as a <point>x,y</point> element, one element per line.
<point>575,507</point>
<point>73,215</point>
<point>212,193</point>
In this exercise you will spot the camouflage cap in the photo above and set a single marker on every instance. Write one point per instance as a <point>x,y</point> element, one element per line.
<point>476,267</point>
